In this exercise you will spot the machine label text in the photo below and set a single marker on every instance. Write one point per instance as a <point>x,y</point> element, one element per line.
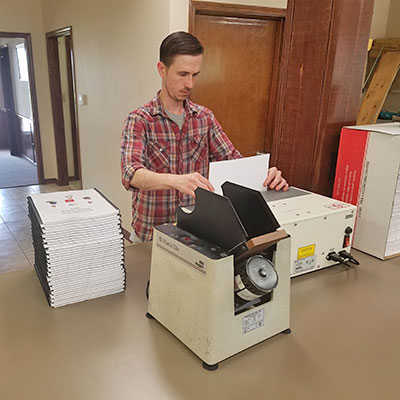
<point>306,251</point>
<point>253,321</point>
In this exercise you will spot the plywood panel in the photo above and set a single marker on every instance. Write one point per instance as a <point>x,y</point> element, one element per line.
<point>378,89</point>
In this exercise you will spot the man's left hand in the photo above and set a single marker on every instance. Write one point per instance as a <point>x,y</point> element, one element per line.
<point>275,180</point>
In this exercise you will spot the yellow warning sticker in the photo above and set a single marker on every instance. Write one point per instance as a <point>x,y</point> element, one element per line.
<point>306,251</point>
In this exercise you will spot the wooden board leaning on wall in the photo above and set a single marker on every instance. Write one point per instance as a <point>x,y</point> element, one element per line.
<point>384,59</point>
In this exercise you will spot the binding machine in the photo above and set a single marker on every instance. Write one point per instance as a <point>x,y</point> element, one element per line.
<point>220,278</point>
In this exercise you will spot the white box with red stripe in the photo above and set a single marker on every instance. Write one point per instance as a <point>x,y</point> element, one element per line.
<point>368,176</point>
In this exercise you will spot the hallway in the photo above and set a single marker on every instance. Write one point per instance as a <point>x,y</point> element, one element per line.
<point>16,171</point>
<point>16,250</point>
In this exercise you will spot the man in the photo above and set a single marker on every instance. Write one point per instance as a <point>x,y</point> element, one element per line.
<point>167,144</point>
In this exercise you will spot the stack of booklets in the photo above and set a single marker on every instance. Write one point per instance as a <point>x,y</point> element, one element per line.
<point>79,245</point>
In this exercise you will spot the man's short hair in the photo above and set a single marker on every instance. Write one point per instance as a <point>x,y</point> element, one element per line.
<point>178,43</point>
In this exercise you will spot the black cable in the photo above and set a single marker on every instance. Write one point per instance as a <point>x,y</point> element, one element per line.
<point>333,256</point>
<point>345,254</point>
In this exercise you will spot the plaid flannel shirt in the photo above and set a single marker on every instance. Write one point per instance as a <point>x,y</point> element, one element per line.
<point>153,141</point>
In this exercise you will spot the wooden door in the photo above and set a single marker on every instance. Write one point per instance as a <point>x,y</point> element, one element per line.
<point>7,107</point>
<point>239,74</point>
<point>27,141</point>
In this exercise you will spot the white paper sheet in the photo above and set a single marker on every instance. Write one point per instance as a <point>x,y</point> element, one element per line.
<point>249,171</point>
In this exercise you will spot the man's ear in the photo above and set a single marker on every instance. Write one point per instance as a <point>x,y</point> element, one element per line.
<point>162,69</point>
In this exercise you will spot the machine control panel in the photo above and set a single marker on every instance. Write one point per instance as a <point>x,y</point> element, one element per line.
<point>205,248</point>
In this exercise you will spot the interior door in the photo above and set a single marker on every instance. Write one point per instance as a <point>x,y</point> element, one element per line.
<point>27,138</point>
<point>238,79</point>
<point>7,107</point>
<point>4,141</point>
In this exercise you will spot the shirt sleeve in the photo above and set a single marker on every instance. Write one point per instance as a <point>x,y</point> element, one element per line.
<point>220,147</point>
<point>133,145</point>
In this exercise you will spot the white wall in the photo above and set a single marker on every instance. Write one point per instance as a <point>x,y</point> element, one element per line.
<point>385,19</point>
<point>116,50</point>
<point>25,16</point>
<point>393,22</point>
<point>379,19</point>
<point>179,15</point>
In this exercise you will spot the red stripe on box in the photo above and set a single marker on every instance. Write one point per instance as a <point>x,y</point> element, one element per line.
<point>349,168</point>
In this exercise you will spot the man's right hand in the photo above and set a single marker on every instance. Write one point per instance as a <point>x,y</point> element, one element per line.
<point>188,183</point>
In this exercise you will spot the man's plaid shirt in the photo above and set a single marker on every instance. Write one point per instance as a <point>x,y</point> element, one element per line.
<point>153,141</point>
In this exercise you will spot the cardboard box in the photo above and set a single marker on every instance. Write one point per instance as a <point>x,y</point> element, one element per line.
<point>367,175</point>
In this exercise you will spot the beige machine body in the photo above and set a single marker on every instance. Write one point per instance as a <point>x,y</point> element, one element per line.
<point>192,295</point>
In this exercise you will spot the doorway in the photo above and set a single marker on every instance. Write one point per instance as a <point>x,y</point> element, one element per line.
<point>20,152</point>
<point>240,72</point>
<point>63,100</point>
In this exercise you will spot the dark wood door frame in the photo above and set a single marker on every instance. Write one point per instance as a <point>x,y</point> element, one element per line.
<point>72,105</point>
<point>56,102</point>
<point>32,89</point>
<point>285,16</point>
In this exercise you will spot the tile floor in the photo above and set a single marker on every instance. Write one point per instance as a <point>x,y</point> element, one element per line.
<point>16,250</point>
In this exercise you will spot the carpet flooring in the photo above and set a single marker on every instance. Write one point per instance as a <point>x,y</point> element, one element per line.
<point>16,171</point>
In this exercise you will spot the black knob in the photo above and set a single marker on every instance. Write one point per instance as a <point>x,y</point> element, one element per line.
<point>348,230</point>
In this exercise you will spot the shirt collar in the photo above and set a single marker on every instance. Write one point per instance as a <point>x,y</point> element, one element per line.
<point>157,108</point>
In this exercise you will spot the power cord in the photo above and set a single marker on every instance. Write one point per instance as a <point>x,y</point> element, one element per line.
<point>346,255</point>
<point>343,257</point>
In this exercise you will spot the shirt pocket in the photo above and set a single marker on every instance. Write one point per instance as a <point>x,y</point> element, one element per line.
<point>158,156</point>
<point>198,147</point>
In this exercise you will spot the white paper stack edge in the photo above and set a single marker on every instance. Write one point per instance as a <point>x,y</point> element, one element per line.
<point>393,240</point>
<point>79,246</point>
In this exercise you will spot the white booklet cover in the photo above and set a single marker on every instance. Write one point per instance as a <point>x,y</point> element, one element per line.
<point>76,204</point>
<point>249,172</point>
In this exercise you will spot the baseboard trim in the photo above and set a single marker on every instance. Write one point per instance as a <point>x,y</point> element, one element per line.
<point>29,159</point>
<point>50,180</point>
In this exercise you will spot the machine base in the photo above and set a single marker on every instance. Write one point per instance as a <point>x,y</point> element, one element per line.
<point>209,367</point>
